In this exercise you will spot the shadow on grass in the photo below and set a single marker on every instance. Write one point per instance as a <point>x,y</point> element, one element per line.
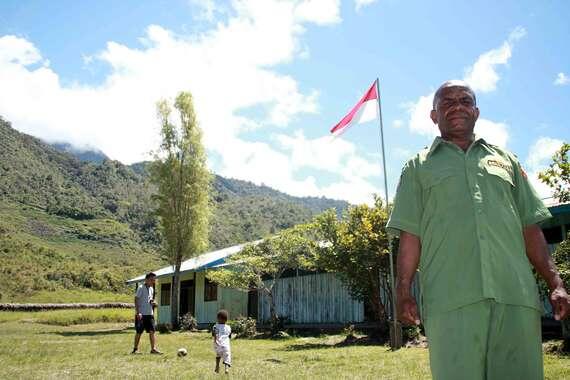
<point>90,333</point>
<point>349,341</point>
<point>276,361</point>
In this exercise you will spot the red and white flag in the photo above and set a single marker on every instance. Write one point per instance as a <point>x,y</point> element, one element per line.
<point>365,110</point>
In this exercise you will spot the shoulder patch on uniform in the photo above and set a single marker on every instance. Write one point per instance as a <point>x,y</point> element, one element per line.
<point>523,173</point>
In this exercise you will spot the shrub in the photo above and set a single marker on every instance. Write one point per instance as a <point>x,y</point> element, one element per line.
<point>243,327</point>
<point>410,333</point>
<point>187,322</point>
<point>164,328</point>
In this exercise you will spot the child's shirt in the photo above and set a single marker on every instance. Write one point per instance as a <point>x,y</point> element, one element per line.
<point>222,332</point>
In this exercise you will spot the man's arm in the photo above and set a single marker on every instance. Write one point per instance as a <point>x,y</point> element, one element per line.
<point>137,311</point>
<point>408,261</point>
<point>537,253</point>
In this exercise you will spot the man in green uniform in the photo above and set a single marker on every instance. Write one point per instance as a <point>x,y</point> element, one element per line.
<point>467,216</point>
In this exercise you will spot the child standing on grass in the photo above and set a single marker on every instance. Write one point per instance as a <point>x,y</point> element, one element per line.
<point>222,333</point>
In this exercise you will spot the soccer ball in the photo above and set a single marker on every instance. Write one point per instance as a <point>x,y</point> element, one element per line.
<point>182,352</point>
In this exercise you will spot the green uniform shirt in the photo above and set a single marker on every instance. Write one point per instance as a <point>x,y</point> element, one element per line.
<point>469,209</point>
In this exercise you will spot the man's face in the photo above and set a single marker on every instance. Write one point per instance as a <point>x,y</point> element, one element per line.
<point>455,113</point>
<point>151,281</point>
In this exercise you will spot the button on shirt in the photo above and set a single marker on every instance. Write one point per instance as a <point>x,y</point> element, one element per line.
<point>145,294</point>
<point>469,209</point>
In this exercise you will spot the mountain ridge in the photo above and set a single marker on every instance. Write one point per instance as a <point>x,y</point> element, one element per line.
<point>71,223</point>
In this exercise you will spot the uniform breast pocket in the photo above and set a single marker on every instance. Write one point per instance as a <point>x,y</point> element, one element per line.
<point>441,186</point>
<point>500,175</point>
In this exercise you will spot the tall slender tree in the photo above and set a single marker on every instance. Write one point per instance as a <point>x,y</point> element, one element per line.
<point>180,173</point>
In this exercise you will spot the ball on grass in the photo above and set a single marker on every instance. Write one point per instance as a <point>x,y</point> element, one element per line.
<point>182,352</point>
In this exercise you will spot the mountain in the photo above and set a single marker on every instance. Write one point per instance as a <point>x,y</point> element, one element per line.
<point>89,155</point>
<point>67,222</point>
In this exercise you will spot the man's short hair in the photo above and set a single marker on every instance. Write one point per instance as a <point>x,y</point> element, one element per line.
<point>223,315</point>
<point>149,275</point>
<point>453,83</point>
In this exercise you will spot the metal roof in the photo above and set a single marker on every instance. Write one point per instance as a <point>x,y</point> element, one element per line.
<point>196,264</point>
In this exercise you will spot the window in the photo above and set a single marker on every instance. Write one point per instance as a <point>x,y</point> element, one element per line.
<point>210,291</point>
<point>165,295</point>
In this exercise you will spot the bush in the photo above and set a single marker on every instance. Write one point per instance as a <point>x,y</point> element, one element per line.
<point>243,327</point>
<point>187,322</point>
<point>410,333</point>
<point>164,328</point>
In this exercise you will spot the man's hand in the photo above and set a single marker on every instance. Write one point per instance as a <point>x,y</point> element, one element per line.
<point>408,260</point>
<point>138,316</point>
<point>408,310</point>
<point>560,301</point>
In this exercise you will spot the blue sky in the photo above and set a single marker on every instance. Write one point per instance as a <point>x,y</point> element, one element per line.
<point>271,77</point>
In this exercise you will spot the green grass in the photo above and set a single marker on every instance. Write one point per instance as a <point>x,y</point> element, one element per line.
<point>71,296</point>
<point>69,317</point>
<point>101,351</point>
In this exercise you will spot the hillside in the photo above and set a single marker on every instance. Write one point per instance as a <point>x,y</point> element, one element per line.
<point>67,222</point>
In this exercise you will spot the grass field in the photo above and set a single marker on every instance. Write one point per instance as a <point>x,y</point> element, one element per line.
<point>31,349</point>
<point>72,296</point>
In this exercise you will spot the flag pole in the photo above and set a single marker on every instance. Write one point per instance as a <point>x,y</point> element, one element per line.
<point>394,341</point>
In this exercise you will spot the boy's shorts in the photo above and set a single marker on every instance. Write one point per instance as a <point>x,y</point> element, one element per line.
<point>146,323</point>
<point>224,353</point>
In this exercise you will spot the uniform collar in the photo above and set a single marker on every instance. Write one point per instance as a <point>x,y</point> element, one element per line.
<point>438,141</point>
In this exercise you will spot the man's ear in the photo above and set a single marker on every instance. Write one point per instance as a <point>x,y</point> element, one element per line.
<point>476,113</point>
<point>433,116</point>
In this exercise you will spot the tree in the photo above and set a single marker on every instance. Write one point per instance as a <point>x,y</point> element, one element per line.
<point>183,180</point>
<point>356,248</point>
<point>260,265</point>
<point>557,176</point>
<point>561,257</point>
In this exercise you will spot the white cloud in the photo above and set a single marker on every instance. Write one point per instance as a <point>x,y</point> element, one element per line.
<point>397,124</point>
<point>334,156</point>
<point>359,4</point>
<point>228,69</point>
<point>18,51</point>
<point>208,9</point>
<point>561,79</point>
<point>321,12</point>
<point>420,121</point>
<point>493,132</point>
<point>539,157</point>
<point>483,77</point>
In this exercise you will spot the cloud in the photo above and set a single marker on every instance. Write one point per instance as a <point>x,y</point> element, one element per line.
<point>334,156</point>
<point>359,4</point>
<point>229,68</point>
<point>321,12</point>
<point>561,79</point>
<point>538,158</point>
<point>397,124</point>
<point>18,51</point>
<point>483,77</point>
<point>208,9</point>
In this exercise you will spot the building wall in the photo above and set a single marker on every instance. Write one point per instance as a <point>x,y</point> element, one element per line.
<point>313,298</point>
<point>234,301</point>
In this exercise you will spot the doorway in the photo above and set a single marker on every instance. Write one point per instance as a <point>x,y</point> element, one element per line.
<point>187,297</point>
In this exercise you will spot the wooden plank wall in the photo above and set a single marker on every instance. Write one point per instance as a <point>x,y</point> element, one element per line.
<point>313,298</point>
